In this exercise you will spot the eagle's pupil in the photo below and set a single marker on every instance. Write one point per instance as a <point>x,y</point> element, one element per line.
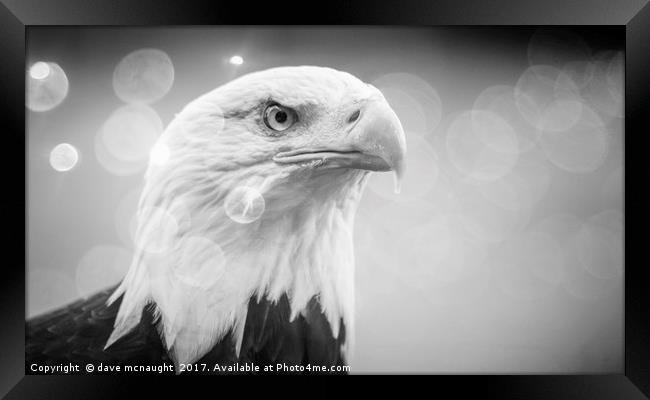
<point>280,116</point>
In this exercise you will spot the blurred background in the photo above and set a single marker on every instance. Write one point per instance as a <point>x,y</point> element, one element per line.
<point>503,253</point>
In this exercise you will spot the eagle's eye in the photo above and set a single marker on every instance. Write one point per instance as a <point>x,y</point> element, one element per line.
<point>279,118</point>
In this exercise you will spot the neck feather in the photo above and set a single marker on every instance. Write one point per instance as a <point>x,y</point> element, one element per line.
<point>204,268</point>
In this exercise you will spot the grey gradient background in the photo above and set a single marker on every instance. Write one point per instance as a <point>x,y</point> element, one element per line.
<point>433,292</point>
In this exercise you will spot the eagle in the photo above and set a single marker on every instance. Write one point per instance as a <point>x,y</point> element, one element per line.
<point>244,242</point>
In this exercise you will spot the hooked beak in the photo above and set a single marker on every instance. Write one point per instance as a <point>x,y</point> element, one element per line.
<point>375,142</point>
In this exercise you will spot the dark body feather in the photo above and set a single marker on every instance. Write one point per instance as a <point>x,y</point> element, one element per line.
<point>78,332</point>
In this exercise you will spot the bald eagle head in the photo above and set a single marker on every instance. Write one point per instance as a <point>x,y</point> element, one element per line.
<point>256,198</point>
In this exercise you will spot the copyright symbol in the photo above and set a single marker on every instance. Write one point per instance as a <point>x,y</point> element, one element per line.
<point>90,368</point>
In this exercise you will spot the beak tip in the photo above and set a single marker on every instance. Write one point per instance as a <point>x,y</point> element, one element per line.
<point>398,172</point>
<point>398,182</point>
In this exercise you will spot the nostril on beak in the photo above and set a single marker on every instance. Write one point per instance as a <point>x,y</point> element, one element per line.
<point>354,116</point>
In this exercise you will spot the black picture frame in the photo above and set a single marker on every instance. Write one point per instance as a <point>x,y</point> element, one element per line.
<point>633,16</point>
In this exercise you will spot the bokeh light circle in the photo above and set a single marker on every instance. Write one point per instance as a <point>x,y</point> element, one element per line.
<point>482,145</point>
<point>580,149</point>
<point>236,60</point>
<point>538,87</point>
<point>47,86</point>
<point>124,142</point>
<point>500,99</point>
<point>244,204</point>
<point>561,115</point>
<point>143,76</point>
<point>130,132</point>
<point>64,157</point>
<point>581,72</point>
<point>414,100</point>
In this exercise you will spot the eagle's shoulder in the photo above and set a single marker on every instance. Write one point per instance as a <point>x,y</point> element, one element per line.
<point>77,333</point>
